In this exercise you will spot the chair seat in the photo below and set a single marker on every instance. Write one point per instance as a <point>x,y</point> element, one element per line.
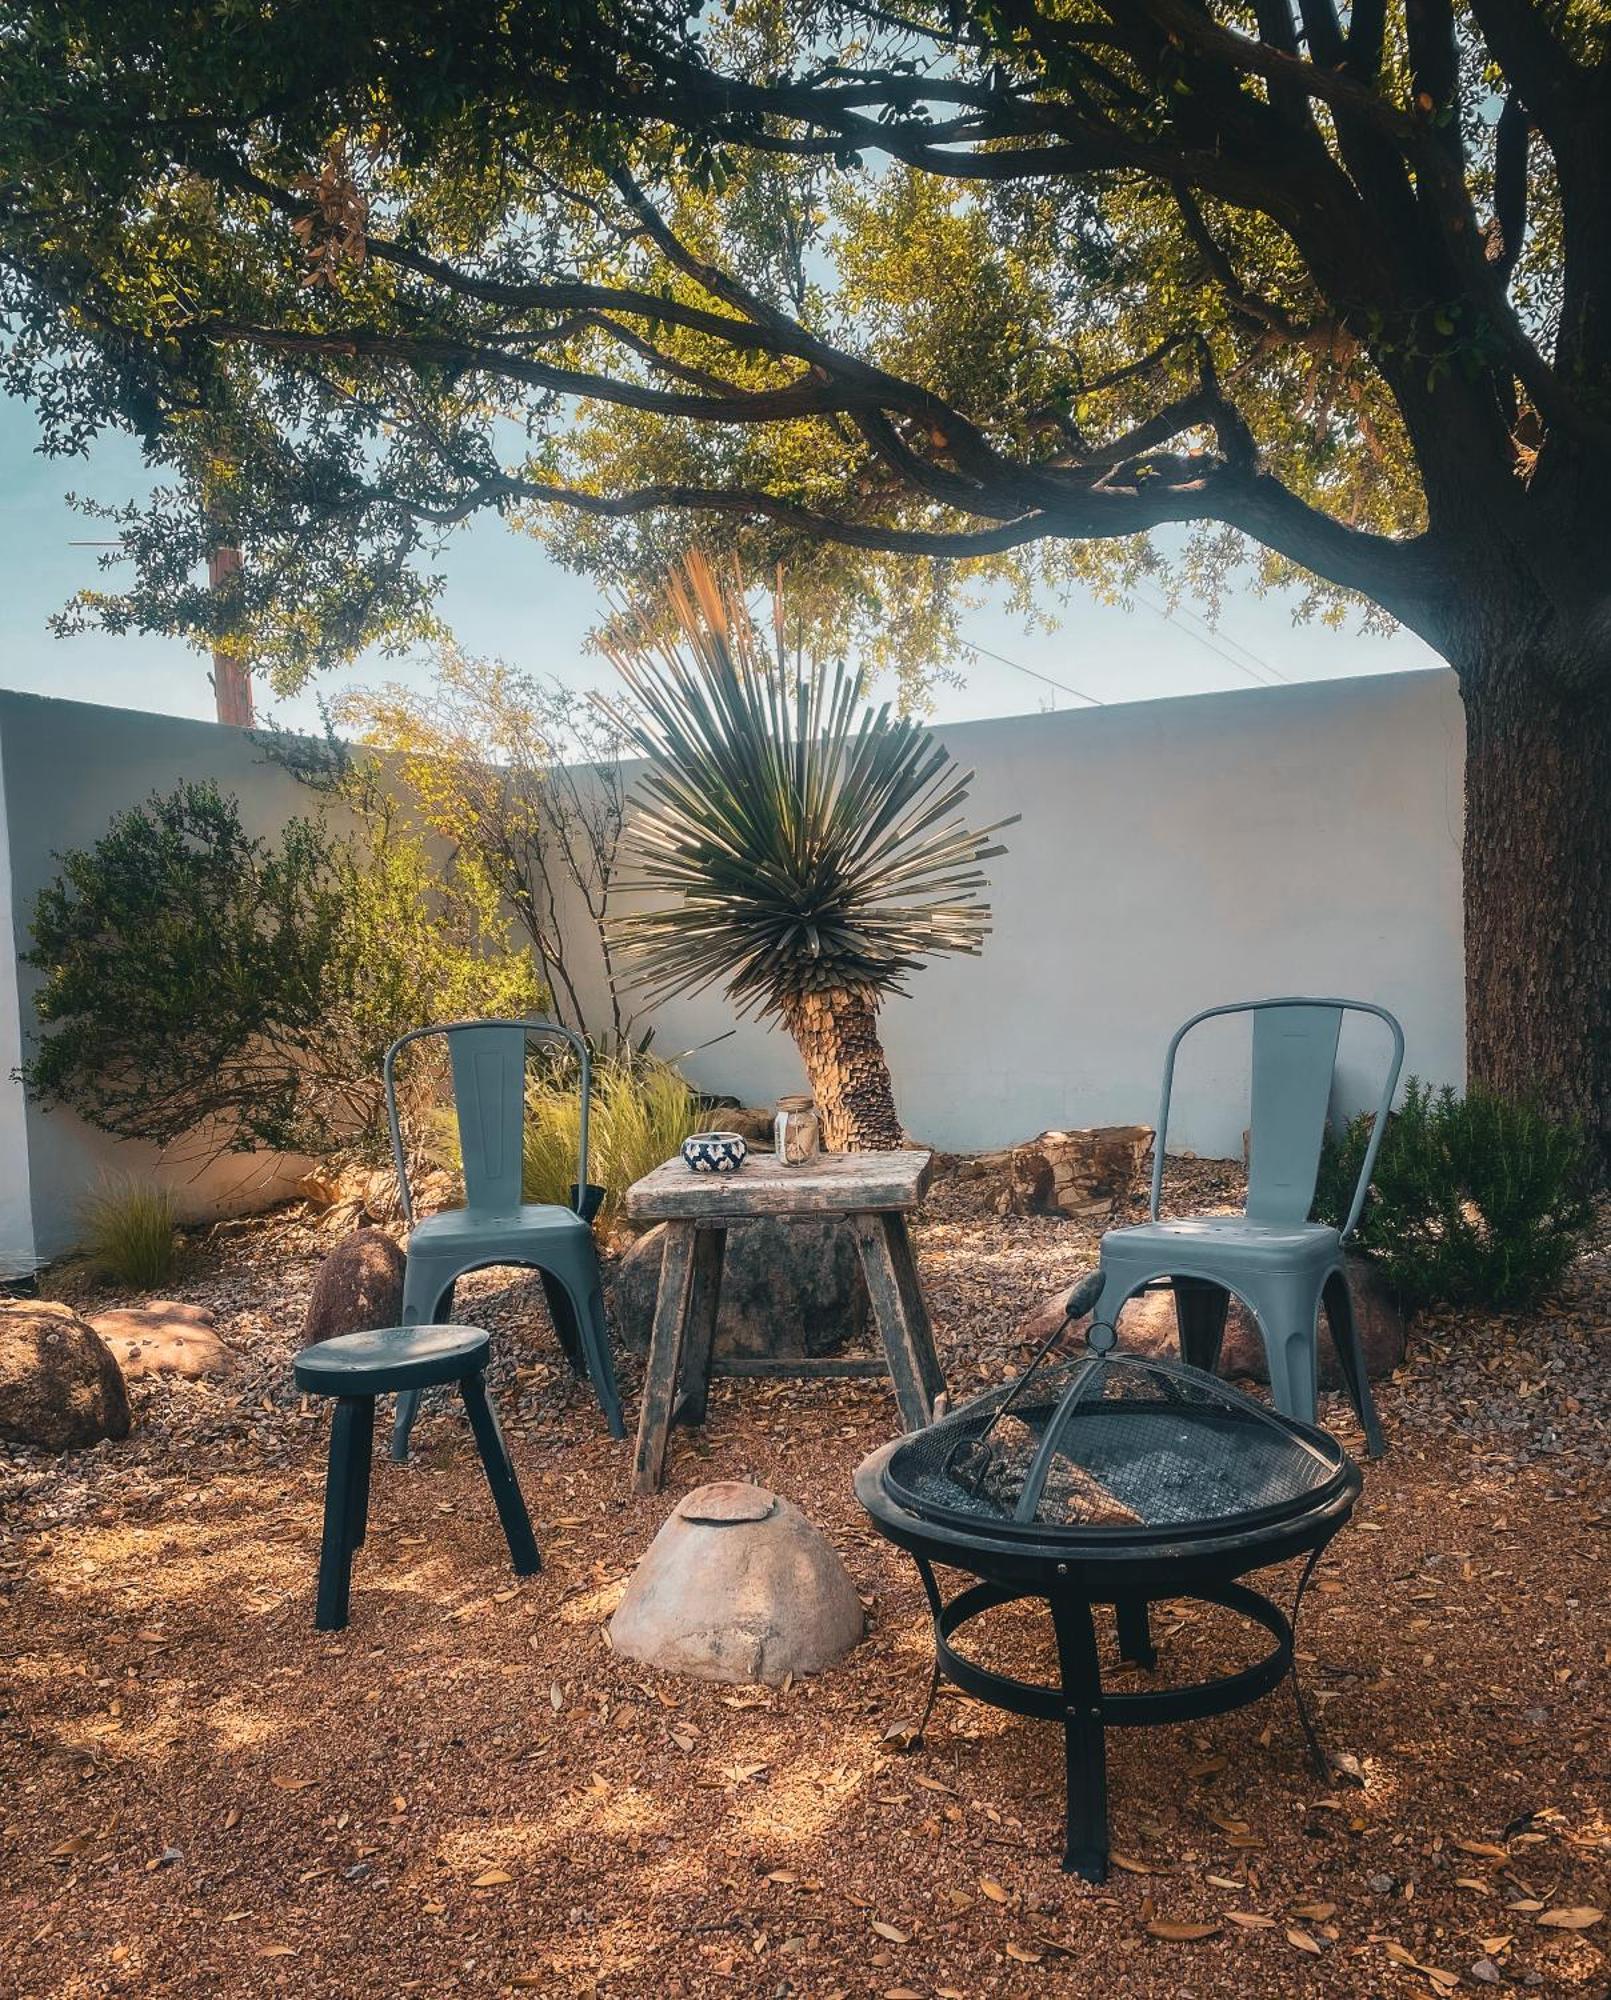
<point>1209,1238</point>
<point>389,1358</point>
<point>464,1230</point>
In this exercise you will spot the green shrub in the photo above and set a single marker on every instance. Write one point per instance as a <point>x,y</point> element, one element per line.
<point>129,1229</point>
<point>1474,1200</point>
<point>204,984</point>
<point>641,1112</point>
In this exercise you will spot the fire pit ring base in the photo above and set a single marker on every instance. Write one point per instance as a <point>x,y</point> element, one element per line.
<point>1085,1708</point>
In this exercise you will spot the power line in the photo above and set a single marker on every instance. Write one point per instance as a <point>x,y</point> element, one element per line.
<point>1209,639</point>
<point>1018,667</point>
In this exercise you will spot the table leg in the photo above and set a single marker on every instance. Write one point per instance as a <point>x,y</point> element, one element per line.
<point>704,1300</point>
<point>665,1355</point>
<point>902,1342</point>
<point>917,1310</point>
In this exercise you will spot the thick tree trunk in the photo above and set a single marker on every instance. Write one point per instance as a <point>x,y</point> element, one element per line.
<point>837,1036</point>
<point>1538,886</point>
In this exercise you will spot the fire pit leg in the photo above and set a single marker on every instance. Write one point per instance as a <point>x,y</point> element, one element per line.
<point>1085,1850</point>
<point>1135,1633</point>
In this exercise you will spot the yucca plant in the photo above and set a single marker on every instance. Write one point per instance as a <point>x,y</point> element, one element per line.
<point>807,843</point>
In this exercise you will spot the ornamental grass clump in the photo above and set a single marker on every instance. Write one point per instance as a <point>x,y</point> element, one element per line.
<point>804,847</point>
<point>130,1230</point>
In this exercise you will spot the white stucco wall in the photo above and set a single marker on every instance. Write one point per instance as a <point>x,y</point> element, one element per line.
<point>66,767</point>
<point>1171,855</point>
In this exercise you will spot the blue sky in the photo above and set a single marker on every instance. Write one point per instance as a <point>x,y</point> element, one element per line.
<point>505,596</point>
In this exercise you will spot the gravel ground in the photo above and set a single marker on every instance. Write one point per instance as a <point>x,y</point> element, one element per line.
<point>466,1793</point>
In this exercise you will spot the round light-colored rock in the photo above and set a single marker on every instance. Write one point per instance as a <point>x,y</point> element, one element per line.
<point>60,1386</point>
<point>1147,1326</point>
<point>165,1337</point>
<point>738,1586</point>
<point>359,1286</point>
<point>788,1289</point>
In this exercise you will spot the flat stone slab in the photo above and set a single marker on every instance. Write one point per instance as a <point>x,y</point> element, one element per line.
<point>738,1586</point>
<point>165,1337</point>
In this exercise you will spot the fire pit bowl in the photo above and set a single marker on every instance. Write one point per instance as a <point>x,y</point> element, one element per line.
<point>1108,1478</point>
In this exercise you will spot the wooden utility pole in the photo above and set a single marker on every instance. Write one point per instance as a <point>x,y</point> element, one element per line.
<point>232,678</point>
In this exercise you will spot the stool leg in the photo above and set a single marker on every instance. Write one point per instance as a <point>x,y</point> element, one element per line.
<point>335,1552</point>
<point>500,1476</point>
<point>363,1452</point>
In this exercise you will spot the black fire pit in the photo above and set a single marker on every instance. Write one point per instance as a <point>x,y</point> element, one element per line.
<point>1109,1478</point>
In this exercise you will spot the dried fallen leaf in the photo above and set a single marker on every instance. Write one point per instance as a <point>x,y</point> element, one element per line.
<point>491,1878</point>
<point>993,1889</point>
<point>1248,1920</point>
<point>1022,1954</point>
<point>292,1784</point>
<point>1130,1865</point>
<point>890,1932</point>
<point>1301,1941</point>
<point>1577,1918</point>
<point>277,1951</point>
<point>1177,1933</point>
<point>1485,1848</point>
<point>1314,1912</point>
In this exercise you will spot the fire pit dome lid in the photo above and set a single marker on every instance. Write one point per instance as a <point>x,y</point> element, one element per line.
<point>1112,1447</point>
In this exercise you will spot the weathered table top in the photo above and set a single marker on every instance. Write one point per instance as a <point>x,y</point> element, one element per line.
<point>832,1184</point>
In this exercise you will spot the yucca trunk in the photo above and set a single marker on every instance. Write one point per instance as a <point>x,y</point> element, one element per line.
<point>837,1036</point>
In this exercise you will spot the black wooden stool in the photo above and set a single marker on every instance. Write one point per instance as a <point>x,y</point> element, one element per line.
<point>355,1368</point>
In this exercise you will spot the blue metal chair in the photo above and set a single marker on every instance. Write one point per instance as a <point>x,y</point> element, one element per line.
<point>495,1226</point>
<point>1282,1266</point>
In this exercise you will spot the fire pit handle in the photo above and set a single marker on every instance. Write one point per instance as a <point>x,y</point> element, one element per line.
<point>1083,1297</point>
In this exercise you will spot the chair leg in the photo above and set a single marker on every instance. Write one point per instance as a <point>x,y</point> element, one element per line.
<point>1339,1304</point>
<point>500,1476</point>
<point>335,1551</point>
<point>1200,1313</point>
<point>600,1367</point>
<point>1290,1351</point>
<point>408,1403</point>
<point>567,1328</point>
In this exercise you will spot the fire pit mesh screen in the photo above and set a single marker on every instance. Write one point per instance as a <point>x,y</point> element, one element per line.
<point>1115,1445</point>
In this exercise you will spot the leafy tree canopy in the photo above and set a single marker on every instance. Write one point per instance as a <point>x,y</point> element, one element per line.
<point>998,285</point>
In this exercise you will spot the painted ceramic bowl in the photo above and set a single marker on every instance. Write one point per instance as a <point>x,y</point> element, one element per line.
<point>714,1152</point>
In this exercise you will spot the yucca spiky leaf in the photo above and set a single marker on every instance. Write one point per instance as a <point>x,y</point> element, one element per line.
<point>806,840</point>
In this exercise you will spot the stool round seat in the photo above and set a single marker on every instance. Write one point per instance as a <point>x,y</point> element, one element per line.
<point>390,1358</point>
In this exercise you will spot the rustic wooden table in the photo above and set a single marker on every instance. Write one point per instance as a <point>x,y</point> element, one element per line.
<point>872,1192</point>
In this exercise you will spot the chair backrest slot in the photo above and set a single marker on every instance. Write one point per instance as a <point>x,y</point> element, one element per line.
<point>1294,1056</point>
<point>489,1094</point>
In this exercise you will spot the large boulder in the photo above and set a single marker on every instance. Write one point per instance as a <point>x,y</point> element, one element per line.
<point>1085,1174</point>
<point>165,1337</point>
<point>1147,1326</point>
<point>738,1586</point>
<point>788,1288</point>
<point>359,1286</point>
<point>60,1385</point>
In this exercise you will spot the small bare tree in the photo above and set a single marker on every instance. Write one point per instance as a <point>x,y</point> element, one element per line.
<point>517,772</point>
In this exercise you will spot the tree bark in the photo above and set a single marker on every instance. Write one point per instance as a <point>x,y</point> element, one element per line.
<point>1537,867</point>
<point>837,1036</point>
